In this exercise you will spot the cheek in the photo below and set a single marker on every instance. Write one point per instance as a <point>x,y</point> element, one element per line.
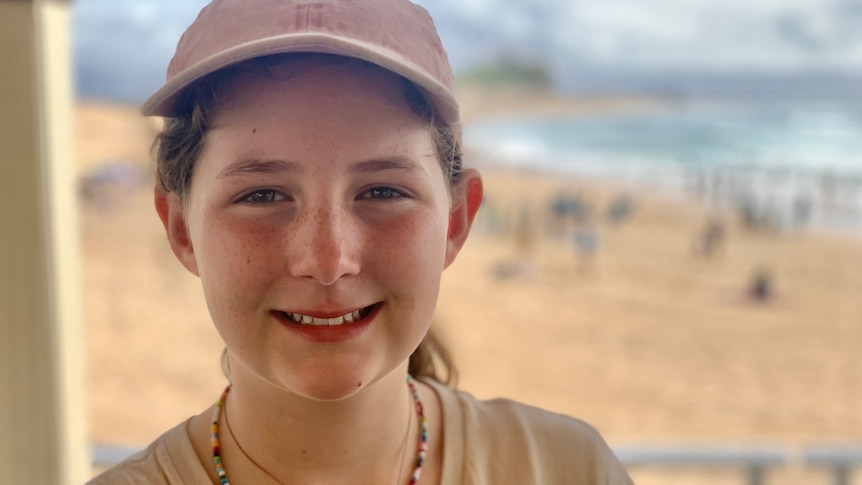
<point>412,253</point>
<point>235,256</point>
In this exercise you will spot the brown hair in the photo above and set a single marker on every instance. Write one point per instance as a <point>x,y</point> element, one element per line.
<point>179,144</point>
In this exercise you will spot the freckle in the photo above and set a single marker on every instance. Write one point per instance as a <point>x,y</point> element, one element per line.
<point>253,131</point>
<point>304,452</point>
<point>248,260</point>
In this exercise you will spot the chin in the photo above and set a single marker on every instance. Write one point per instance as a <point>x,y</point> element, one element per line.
<point>331,385</point>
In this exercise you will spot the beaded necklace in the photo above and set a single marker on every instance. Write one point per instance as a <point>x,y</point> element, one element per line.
<point>420,457</point>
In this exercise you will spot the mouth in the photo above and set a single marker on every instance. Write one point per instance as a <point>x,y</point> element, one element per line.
<point>356,316</point>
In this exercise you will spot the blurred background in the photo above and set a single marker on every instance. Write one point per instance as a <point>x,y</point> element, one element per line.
<point>670,247</point>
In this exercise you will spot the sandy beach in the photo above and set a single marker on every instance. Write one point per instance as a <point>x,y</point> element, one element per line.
<point>646,339</point>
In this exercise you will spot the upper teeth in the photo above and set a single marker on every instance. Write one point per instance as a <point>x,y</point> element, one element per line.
<point>308,320</point>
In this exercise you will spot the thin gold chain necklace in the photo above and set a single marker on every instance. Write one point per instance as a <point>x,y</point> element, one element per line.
<point>216,447</point>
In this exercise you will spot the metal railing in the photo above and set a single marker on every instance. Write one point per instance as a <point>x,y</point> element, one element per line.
<point>840,459</point>
<point>754,461</point>
<point>103,456</point>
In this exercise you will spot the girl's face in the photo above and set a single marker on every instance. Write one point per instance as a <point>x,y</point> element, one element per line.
<point>319,197</point>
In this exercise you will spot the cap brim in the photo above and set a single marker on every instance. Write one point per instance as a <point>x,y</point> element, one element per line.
<point>163,102</point>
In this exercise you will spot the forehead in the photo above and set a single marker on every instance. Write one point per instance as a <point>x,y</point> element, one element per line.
<point>312,111</point>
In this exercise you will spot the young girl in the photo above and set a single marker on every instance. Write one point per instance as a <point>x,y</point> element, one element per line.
<point>310,175</point>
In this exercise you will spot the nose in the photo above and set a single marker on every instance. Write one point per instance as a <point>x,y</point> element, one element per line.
<point>324,244</point>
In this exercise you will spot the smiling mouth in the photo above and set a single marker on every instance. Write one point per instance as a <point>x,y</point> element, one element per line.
<point>348,318</point>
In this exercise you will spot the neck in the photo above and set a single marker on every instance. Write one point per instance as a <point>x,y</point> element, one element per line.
<point>360,439</point>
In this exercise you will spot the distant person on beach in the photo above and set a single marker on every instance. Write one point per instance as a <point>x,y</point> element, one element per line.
<point>567,211</point>
<point>619,210</point>
<point>489,217</point>
<point>522,265</point>
<point>712,238</point>
<point>802,210</point>
<point>525,240</point>
<point>558,208</point>
<point>110,184</point>
<point>761,286</point>
<point>586,241</point>
<point>310,175</point>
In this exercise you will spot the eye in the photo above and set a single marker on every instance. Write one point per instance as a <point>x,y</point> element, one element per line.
<point>381,193</point>
<point>263,196</point>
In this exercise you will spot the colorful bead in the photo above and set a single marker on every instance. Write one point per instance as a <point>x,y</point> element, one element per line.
<point>423,433</point>
<point>420,411</point>
<point>222,475</point>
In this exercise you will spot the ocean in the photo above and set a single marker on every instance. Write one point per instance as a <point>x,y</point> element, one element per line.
<point>794,164</point>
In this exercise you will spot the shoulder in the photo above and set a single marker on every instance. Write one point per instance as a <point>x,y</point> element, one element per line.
<point>507,422</point>
<point>170,459</point>
<point>513,439</point>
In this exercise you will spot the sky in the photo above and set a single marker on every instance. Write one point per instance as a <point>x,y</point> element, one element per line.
<point>122,47</point>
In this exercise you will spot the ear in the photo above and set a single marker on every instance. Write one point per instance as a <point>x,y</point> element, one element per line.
<point>170,210</point>
<point>466,200</point>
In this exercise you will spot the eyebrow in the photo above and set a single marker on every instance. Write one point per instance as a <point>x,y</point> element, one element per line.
<point>253,165</point>
<point>390,163</point>
<point>375,165</point>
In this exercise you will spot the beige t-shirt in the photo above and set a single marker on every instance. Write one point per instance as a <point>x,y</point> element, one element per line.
<point>484,443</point>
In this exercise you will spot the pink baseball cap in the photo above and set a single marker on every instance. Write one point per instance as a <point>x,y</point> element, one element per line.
<point>394,34</point>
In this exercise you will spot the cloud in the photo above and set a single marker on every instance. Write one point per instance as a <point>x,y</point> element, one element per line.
<point>122,47</point>
<point>680,34</point>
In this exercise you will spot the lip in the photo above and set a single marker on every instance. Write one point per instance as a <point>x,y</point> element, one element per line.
<point>328,333</point>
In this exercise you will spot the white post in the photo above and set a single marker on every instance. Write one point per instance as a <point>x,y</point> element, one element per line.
<point>42,416</point>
